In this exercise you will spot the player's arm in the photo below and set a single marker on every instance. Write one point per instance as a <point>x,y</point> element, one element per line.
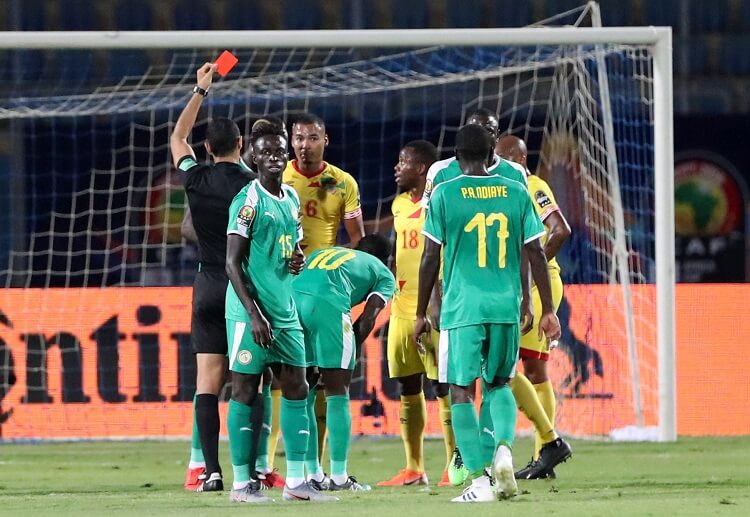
<point>237,249</point>
<point>527,308</point>
<point>366,321</point>
<point>559,231</point>
<point>178,141</point>
<point>428,273</point>
<point>548,323</point>
<point>187,228</point>
<point>353,222</point>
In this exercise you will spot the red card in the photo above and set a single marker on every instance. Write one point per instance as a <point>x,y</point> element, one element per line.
<point>225,63</point>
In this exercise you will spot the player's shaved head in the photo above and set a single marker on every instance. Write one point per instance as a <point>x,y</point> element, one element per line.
<point>473,143</point>
<point>424,152</point>
<point>376,245</point>
<point>513,149</point>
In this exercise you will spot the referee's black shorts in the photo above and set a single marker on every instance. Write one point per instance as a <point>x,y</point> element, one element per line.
<point>208,334</point>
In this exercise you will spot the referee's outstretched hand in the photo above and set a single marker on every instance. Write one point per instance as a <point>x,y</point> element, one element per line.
<point>205,75</point>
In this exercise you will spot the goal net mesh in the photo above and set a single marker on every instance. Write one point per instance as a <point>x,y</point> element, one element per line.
<point>94,330</point>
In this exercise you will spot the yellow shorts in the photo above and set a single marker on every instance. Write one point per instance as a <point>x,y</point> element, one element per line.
<point>403,357</point>
<point>531,346</point>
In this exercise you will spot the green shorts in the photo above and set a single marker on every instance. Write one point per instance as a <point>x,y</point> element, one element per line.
<point>488,350</point>
<point>329,335</point>
<point>246,356</point>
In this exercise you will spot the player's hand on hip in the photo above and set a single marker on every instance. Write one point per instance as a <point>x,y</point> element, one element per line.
<point>205,74</point>
<point>527,317</point>
<point>297,264</point>
<point>549,326</point>
<point>421,333</point>
<point>261,330</point>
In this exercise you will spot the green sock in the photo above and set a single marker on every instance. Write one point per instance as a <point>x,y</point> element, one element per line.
<point>261,457</point>
<point>295,427</point>
<point>486,429</point>
<point>503,411</point>
<point>339,419</point>
<point>312,465</point>
<point>466,429</point>
<point>196,450</point>
<point>240,439</point>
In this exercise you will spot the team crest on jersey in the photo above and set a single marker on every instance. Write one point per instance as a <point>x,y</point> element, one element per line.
<point>244,357</point>
<point>245,216</point>
<point>542,199</point>
<point>428,187</point>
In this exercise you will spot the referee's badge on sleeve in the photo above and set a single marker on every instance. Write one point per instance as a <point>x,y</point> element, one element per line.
<point>246,215</point>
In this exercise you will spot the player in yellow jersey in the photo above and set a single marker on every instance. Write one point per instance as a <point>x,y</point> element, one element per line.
<point>328,195</point>
<point>532,388</point>
<point>405,362</point>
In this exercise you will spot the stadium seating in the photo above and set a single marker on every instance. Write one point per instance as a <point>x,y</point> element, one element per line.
<point>366,18</point>
<point>691,55</point>
<point>662,13</point>
<point>78,15</point>
<point>409,15</point>
<point>734,55</point>
<point>302,15</point>
<point>709,15</point>
<point>616,13</point>
<point>133,15</point>
<point>190,15</point>
<point>238,15</point>
<point>513,14</point>
<point>464,13</point>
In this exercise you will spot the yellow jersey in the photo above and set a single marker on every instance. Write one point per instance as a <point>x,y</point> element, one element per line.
<point>544,204</point>
<point>408,220</point>
<point>326,198</point>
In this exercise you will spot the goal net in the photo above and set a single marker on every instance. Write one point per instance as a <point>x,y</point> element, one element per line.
<point>95,314</point>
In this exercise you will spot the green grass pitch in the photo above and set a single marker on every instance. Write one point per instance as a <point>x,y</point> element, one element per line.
<point>695,476</point>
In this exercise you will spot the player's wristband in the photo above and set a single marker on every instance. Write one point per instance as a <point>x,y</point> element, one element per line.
<point>197,89</point>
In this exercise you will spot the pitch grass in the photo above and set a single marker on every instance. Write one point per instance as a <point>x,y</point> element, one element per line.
<point>691,477</point>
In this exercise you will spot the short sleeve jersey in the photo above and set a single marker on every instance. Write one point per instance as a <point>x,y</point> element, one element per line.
<point>482,223</point>
<point>448,169</point>
<point>272,225</point>
<point>408,220</point>
<point>544,204</point>
<point>345,277</point>
<point>326,197</point>
<point>210,190</point>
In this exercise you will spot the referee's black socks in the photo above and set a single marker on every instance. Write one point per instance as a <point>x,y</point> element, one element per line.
<point>207,415</point>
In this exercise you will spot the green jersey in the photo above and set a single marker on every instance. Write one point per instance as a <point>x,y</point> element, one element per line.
<point>345,277</point>
<point>273,227</point>
<point>449,169</point>
<point>482,222</point>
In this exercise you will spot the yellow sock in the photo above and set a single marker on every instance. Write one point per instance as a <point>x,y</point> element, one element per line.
<point>320,417</point>
<point>546,395</point>
<point>273,440</point>
<point>449,438</point>
<point>413,416</point>
<point>530,405</point>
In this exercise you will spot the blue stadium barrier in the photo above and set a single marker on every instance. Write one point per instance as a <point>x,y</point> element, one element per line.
<point>513,13</point>
<point>302,15</point>
<point>414,14</point>
<point>734,55</point>
<point>709,15</point>
<point>368,14</point>
<point>134,15</point>
<point>242,15</point>
<point>464,13</point>
<point>662,13</point>
<point>78,15</point>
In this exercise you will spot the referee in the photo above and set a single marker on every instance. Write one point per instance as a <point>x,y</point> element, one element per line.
<point>210,190</point>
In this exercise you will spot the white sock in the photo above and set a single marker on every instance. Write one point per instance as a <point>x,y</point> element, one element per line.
<point>239,485</point>
<point>318,476</point>
<point>197,464</point>
<point>340,479</point>
<point>294,482</point>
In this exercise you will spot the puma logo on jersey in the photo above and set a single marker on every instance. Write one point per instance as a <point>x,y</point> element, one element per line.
<point>270,214</point>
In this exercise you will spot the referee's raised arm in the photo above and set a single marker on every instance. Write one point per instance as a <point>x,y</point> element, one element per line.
<point>178,141</point>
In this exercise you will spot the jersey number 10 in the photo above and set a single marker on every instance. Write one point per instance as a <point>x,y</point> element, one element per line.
<point>481,221</point>
<point>331,259</point>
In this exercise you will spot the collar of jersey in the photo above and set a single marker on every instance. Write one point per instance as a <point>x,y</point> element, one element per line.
<point>306,175</point>
<point>282,196</point>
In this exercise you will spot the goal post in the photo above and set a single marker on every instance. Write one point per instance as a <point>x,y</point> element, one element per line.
<point>656,67</point>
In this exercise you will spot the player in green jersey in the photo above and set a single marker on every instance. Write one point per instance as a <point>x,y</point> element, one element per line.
<point>262,323</point>
<point>335,280</point>
<point>481,223</point>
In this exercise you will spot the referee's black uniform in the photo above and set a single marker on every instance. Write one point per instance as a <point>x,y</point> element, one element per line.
<point>210,190</point>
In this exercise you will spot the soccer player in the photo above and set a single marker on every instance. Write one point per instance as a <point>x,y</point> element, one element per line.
<point>210,189</point>
<point>328,196</point>
<point>263,329</point>
<point>405,362</point>
<point>533,389</point>
<point>481,222</point>
<point>335,280</point>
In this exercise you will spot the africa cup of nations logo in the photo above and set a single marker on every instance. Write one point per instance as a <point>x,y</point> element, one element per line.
<point>708,201</point>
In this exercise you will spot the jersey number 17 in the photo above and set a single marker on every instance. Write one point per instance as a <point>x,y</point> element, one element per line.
<point>481,222</point>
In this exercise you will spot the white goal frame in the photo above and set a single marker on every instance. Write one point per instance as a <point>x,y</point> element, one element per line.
<point>658,38</point>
